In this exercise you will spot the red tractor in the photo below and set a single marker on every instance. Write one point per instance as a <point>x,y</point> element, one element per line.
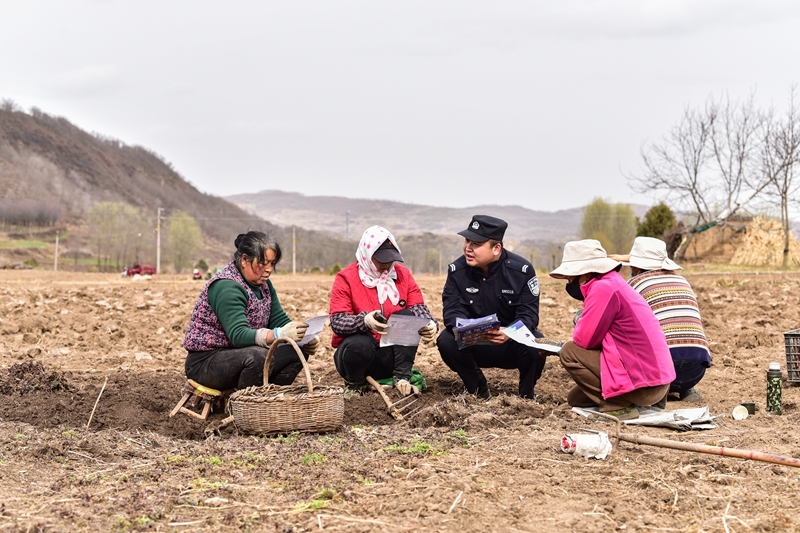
<point>142,270</point>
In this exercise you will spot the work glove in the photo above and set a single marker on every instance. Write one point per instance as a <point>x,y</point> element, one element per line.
<point>405,387</point>
<point>429,331</point>
<point>292,330</point>
<point>372,322</point>
<point>261,337</point>
<point>310,348</point>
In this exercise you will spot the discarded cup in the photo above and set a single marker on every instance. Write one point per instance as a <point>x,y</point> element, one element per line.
<point>740,412</point>
<point>596,445</point>
<point>751,407</point>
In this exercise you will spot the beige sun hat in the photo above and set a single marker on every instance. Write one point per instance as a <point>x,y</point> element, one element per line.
<point>648,253</point>
<point>582,257</point>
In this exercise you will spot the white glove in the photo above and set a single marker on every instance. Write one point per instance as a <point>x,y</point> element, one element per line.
<point>429,332</point>
<point>374,324</point>
<point>310,347</point>
<point>405,387</point>
<point>292,330</point>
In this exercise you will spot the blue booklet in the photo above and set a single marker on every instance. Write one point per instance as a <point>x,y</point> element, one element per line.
<point>472,331</point>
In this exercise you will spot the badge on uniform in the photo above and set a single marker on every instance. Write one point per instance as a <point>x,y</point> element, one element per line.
<point>533,285</point>
<point>471,290</point>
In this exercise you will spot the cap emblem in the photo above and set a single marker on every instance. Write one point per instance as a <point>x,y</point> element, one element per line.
<point>475,225</point>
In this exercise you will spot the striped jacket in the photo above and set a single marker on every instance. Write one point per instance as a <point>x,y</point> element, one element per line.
<point>675,305</point>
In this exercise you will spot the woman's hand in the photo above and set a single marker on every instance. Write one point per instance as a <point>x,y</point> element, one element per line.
<point>310,348</point>
<point>429,331</point>
<point>292,330</point>
<point>373,322</point>
<point>405,387</point>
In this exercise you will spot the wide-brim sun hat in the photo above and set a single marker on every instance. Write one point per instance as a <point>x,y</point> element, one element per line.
<point>649,253</point>
<point>582,257</point>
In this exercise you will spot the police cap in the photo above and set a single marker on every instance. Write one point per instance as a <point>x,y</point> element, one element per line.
<point>485,227</point>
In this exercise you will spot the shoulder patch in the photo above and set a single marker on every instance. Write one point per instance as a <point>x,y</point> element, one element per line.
<point>452,267</point>
<point>533,285</point>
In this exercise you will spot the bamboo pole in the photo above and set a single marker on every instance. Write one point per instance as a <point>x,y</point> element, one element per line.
<point>713,450</point>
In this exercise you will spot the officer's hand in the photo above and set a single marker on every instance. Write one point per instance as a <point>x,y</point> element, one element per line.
<point>429,331</point>
<point>374,323</point>
<point>310,348</point>
<point>292,330</point>
<point>496,336</point>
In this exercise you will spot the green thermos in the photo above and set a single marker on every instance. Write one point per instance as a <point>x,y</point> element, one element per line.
<point>774,402</point>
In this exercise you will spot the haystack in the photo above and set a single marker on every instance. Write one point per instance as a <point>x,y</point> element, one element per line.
<point>762,245</point>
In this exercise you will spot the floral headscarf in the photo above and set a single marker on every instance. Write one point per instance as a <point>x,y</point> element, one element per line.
<point>368,272</point>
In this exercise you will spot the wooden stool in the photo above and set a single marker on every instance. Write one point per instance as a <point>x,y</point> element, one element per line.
<point>196,395</point>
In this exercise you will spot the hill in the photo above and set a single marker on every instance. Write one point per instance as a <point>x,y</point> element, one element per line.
<point>349,217</point>
<point>52,166</point>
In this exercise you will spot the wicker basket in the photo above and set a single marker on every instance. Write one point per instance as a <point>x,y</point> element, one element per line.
<point>274,409</point>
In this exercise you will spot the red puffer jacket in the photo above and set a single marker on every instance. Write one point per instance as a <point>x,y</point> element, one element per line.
<point>350,296</point>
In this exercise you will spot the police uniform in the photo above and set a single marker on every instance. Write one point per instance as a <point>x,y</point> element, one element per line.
<point>510,289</point>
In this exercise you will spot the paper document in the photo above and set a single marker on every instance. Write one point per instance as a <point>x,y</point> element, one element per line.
<point>315,326</point>
<point>682,419</point>
<point>520,333</point>
<point>403,330</point>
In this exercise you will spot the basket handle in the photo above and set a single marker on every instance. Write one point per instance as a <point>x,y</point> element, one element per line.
<point>299,354</point>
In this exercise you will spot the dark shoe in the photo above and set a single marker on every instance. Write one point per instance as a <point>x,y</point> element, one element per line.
<point>483,392</point>
<point>662,403</point>
<point>351,390</point>
<point>691,396</point>
<point>628,413</point>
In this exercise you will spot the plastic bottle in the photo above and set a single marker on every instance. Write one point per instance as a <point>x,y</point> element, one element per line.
<point>774,402</point>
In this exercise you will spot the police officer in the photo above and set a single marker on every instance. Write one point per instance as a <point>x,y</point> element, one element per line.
<point>489,279</point>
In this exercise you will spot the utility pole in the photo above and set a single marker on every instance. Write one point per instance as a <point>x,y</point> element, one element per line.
<point>158,242</point>
<point>347,224</point>
<point>55,260</point>
<point>294,249</point>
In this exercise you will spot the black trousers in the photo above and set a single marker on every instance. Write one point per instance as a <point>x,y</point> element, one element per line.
<point>467,363</point>
<point>238,368</point>
<point>688,373</point>
<point>359,356</point>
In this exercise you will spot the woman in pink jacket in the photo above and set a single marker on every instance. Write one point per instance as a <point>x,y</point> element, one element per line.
<point>618,356</point>
<point>364,295</point>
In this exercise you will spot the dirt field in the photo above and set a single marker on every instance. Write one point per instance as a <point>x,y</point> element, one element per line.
<point>455,466</point>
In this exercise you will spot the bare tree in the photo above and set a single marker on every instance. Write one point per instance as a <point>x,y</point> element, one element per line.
<point>735,141</point>
<point>677,165</point>
<point>780,162</point>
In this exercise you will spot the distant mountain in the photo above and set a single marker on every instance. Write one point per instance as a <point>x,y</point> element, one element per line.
<point>348,216</point>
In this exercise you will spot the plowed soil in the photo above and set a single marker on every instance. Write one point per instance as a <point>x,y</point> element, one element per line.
<point>75,347</point>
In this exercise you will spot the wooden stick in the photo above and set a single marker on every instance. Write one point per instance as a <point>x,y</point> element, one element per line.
<point>455,502</point>
<point>96,402</point>
<point>392,411</point>
<point>713,450</point>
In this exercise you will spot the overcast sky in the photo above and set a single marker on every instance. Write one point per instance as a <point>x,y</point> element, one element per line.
<point>543,104</point>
